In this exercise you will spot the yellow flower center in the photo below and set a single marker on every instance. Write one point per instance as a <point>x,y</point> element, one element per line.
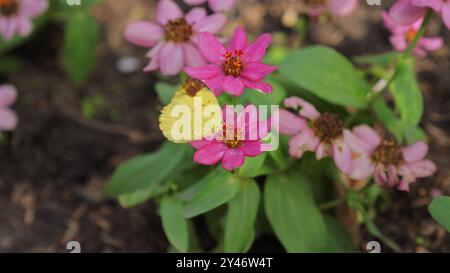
<point>233,65</point>
<point>388,153</point>
<point>231,139</point>
<point>178,31</point>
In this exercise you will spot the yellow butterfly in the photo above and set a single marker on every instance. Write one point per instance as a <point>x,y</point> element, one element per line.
<point>192,114</point>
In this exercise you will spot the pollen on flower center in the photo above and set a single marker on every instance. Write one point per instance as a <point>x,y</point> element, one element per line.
<point>178,30</point>
<point>410,35</point>
<point>192,86</point>
<point>388,153</point>
<point>233,65</point>
<point>231,139</point>
<point>328,127</point>
<point>8,7</point>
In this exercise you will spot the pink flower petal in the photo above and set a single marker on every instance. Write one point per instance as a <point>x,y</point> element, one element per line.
<point>422,168</point>
<point>446,14</point>
<point>415,152</point>
<point>233,159</point>
<point>8,95</point>
<point>358,145</point>
<point>193,57</point>
<point>307,110</point>
<point>211,48</point>
<point>195,2</point>
<point>392,176</point>
<point>255,52</point>
<point>262,86</point>
<point>251,148</point>
<point>304,141</point>
<point>367,134</point>
<point>221,5</point>
<point>405,13</point>
<point>362,168</point>
<point>257,71</point>
<point>33,8</point>
<point>199,144</point>
<point>213,23</point>
<point>342,155</point>
<point>290,124</point>
<point>233,86</point>
<point>8,119</point>
<point>195,15</point>
<point>342,7</point>
<point>167,10</point>
<point>144,34</point>
<point>171,59</point>
<point>239,40</point>
<point>210,154</point>
<point>204,72</point>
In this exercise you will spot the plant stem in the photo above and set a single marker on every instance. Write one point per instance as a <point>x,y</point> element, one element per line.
<point>333,203</point>
<point>235,100</point>
<point>419,33</point>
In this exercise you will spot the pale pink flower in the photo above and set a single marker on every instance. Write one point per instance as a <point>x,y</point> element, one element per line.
<point>403,35</point>
<point>236,68</point>
<point>390,164</point>
<point>215,5</point>
<point>240,138</point>
<point>173,39</point>
<point>16,16</point>
<point>337,8</point>
<point>409,11</point>
<point>8,118</point>
<point>321,133</point>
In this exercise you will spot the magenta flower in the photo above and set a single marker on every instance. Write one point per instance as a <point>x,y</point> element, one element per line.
<point>409,11</point>
<point>240,137</point>
<point>337,8</point>
<point>390,164</point>
<point>215,5</point>
<point>173,39</point>
<point>8,118</point>
<point>16,16</point>
<point>403,35</point>
<point>321,133</point>
<point>235,68</point>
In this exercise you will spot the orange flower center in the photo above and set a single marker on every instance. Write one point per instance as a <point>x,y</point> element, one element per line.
<point>178,31</point>
<point>388,153</point>
<point>231,139</point>
<point>410,35</point>
<point>328,127</point>
<point>233,65</point>
<point>8,7</point>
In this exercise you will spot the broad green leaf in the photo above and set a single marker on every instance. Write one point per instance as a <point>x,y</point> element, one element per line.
<point>253,166</point>
<point>135,198</point>
<point>174,224</point>
<point>327,74</point>
<point>146,172</point>
<point>217,190</point>
<point>80,45</point>
<point>440,210</point>
<point>338,239</point>
<point>407,95</point>
<point>242,212</point>
<point>388,118</point>
<point>165,92</point>
<point>290,208</point>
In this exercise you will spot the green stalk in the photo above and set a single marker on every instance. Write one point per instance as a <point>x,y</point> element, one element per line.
<point>419,33</point>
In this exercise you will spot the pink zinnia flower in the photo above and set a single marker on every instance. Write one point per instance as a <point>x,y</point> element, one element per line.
<point>16,16</point>
<point>240,137</point>
<point>403,35</point>
<point>321,133</point>
<point>173,38</point>
<point>409,11</point>
<point>235,68</point>
<point>8,118</point>
<point>390,164</point>
<point>215,5</point>
<point>337,8</point>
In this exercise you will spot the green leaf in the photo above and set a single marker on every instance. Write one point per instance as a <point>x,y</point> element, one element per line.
<point>382,60</point>
<point>440,210</point>
<point>145,172</point>
<point>165,92</point>
<point>80,45</point>
<point>135,198</point>
<point>338,239</point>
<point>174,224</point>
<point>253,166</point>
<point>217,190</point>
<point>242,212</point>
<point>388,118</point>
<point>259,98</point>
<point>290,208</point>
<point>407,95</point>
<point>327,74</point>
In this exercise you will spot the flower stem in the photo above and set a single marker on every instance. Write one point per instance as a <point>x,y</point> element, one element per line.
<point>332,204</point>
<point>419,33</point>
